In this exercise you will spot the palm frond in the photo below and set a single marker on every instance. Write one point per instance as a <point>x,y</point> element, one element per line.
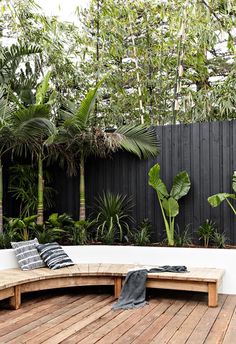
<point>35,128</point>
<point>139,140</point>
<point>42,89</point>
<point>10,57</point>
<point>83,115</point>
<point>30,113</point>
<point>12,53</point>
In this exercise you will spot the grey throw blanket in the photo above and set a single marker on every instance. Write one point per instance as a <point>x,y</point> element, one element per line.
<point>133,293</point>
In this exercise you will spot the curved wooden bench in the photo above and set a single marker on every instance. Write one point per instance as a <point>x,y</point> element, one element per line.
<point>14,282</point>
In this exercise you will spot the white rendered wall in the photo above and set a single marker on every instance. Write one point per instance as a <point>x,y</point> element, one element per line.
<point>190,257</point>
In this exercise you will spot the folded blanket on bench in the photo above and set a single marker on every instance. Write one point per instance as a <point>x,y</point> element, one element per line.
<point>133,293</point>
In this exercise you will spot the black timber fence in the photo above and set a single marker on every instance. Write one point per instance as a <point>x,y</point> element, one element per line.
<point>207,151</point>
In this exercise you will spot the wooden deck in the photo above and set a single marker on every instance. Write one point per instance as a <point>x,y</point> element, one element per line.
<point>83,315</point>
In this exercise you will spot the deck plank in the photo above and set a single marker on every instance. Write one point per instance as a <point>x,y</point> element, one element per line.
<point>42,330</point>
<point>112,331</point>
<point>231,330</point>
<point>221,324</point>
<point>173,325</point>
<point>143,323</point>
<point>189,324</point>
<point>86,317</point>
<point>157,325</point>
<point>204,326</point>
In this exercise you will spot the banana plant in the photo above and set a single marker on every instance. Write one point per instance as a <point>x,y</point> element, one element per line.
<point>217,199</point>
<point>169,201</point>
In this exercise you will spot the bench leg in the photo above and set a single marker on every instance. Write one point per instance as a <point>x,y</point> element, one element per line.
<point>15,301</point>
<point>212,295</point>
<point>118,286</point>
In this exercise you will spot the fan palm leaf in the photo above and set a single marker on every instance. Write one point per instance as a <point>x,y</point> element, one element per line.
<point>138,140</point>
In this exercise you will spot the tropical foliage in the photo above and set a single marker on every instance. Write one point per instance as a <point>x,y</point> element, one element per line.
<point>217,199</point>
<point>169,201</point>
<point>152,62</point>
<point>170,61</point>
<point>113,217</point>
<point>81,135</point>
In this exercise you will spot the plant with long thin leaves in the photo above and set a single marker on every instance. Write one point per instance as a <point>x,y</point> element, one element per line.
<point>113,217</point>
<point>23,187</point>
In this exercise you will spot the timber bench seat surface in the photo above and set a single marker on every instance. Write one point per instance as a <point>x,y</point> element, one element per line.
<point>14,282</point>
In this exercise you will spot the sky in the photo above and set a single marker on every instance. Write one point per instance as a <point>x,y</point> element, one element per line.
<point>65,9</point>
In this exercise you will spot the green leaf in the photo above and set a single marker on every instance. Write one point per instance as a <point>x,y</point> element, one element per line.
<point>217,199</point>
<point>171,207</point>
<point>138,140</point>
<point>156,182</point>
<point>83,114</point>
<point>234,181</point>
<point>53,219</point>
<point>181,185</point>
<point>42,89</point>
<point>27,220</point>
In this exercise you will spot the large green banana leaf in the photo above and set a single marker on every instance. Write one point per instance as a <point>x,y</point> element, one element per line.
<point>216,199</point>
<point>171,207</point>
<point>156,182</point>
<point>180,186</point>
<point>234,181</point>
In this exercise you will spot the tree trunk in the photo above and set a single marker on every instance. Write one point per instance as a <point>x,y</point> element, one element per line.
<point>40,191</point>
<point>82,214</point>
<point>1,197</point>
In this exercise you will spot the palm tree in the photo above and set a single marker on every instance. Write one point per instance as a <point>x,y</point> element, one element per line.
<point>21,131</point>
<point>31,128</point>
<point>9,62</point>
<point>38,129</point>
<point>80,134</point>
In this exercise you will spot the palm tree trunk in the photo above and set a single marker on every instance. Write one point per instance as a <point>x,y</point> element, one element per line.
<point>82,190</point>
<point>1,197</point>
<point>40,191</point>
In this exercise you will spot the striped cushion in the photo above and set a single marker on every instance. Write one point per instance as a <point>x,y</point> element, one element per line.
<point>54,256</point>
<point>27,254</point>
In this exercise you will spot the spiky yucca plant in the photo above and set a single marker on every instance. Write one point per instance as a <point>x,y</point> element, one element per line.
<point>113,216</point>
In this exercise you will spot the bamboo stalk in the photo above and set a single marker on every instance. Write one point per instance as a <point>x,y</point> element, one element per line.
<point>179,68</point>
<point>137,71</point>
